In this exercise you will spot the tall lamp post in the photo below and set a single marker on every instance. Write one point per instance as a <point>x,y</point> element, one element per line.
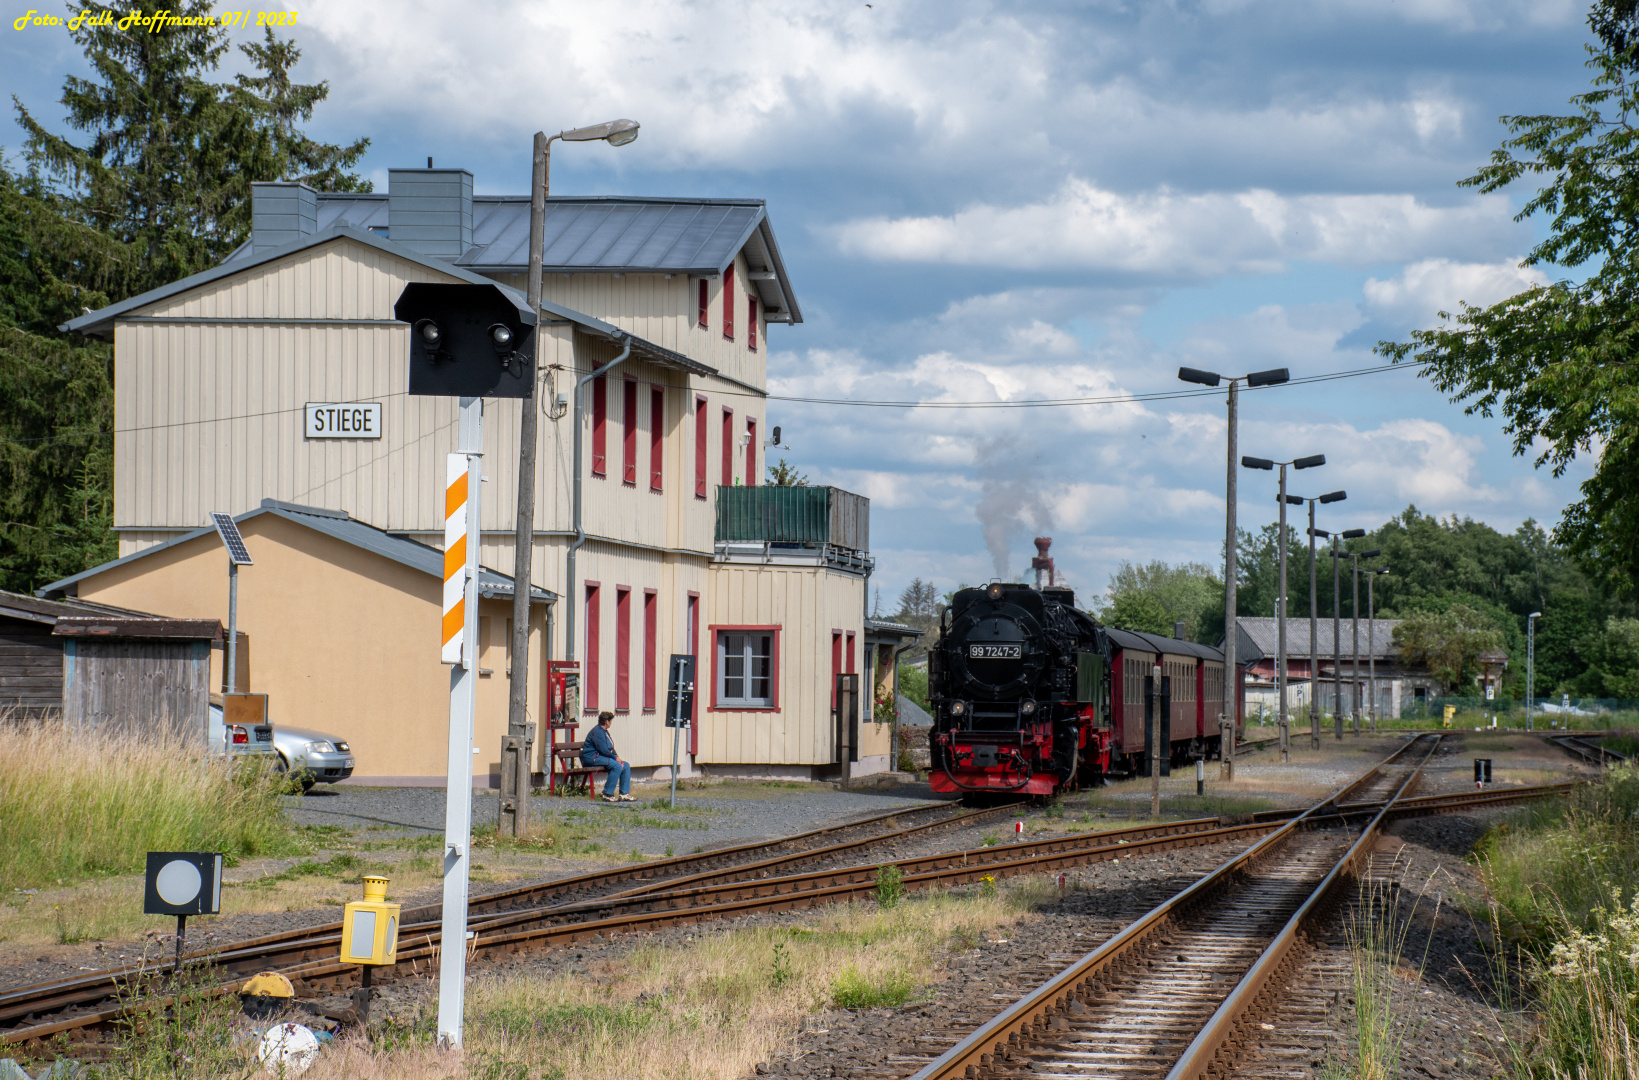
<point>1280,609</point>
<point>1371,638</point>
<point>1314,619</point>
<point>1530,666</point>
<point>512,815</point>
<point>1354,615</point>
<point>1337,626</point>
<point>1232,679</point>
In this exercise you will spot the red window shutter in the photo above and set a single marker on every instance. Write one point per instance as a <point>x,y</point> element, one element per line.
<point>751,323</point>
<point>657,435</point>
<point>651,633</point>
<point>701,316</point>
<point>728,302</point>
<point>728,447</point>
<point>836,665</point>
<point>589,693</point>
<point>751,452</point>
<point>700,451</point>
<point>623,648</point>
<point>628,440</point>
<point>600,426</point>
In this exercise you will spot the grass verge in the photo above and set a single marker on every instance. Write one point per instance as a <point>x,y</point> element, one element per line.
<point>707,1009</point>
<point>78,805</point>
<point>1564,884</point>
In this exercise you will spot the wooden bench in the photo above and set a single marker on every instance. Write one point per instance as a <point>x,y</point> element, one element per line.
<point>571,773</point>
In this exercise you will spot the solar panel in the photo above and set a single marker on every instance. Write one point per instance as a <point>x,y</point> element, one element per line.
<point>228,529</point>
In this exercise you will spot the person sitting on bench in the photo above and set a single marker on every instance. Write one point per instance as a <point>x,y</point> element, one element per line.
<point>599,753</point>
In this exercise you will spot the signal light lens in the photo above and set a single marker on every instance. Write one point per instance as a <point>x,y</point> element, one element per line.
<point>431,333</point>
<point>501,334</point>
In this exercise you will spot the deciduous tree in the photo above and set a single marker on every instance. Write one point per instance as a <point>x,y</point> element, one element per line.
<point>1558,361</point>
<point>1449,642</point>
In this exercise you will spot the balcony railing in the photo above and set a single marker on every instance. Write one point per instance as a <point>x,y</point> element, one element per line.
<point>795,525</point>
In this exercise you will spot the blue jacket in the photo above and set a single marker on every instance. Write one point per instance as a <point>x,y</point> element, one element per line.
<point>600,742</point>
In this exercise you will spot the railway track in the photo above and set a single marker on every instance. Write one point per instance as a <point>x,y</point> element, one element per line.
<point>81,1010</point>
<point>1586,750</point>
<point>1170,996</point>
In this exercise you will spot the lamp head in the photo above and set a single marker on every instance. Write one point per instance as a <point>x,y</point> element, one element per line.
<point>1353,534</point>
<point>1322,533</point>
<point>1381,570</point>
<point>1534,615</point>
<point>1309,462</point>
<point>1272,377</point>
<point>1196,375</point>
<point>1257,463</point>
<point>614,132</point>
<point>1333,496</point>
<point>1372,554</point>
<point>1294,500</point>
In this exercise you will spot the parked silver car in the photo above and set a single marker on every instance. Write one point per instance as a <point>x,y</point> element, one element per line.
<point>312,756</point>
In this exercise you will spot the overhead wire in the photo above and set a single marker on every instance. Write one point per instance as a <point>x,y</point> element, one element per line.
<point>1022,403</point>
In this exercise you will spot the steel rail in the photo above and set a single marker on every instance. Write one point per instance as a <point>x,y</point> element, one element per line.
<point>315,965</point>
<point>1013,1026</point>
<point>651,875</point>
<point>1593,753</point>
<point>1202,1052</point>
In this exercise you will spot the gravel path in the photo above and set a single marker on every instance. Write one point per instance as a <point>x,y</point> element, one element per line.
<point>706,817</point>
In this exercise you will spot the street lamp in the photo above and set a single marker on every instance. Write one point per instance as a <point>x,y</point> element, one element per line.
<point>1281,721</point>
<point>1371,637</point>
<point>513,806</point>
<point>1272,377</point>
<point>1530,665</point>
<point>1354,617</point>
<point>1314,618</point>
<point>1337,626</point>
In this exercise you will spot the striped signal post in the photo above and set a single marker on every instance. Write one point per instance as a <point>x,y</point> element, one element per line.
<point>459,649</point>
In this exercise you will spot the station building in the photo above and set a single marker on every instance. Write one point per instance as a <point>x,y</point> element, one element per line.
<point>274,386</point>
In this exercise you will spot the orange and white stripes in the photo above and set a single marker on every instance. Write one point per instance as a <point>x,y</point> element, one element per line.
<point>455,557</point>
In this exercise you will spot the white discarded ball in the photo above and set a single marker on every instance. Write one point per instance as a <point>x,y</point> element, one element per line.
<point>287,1049</point>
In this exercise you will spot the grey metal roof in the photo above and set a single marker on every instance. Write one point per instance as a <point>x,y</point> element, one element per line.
<point>100,323</point>
<point>602,234</point>
<point>1261,633</point>
<point>1132,639</point>
<point>888,626</point>
<point>337,524</point>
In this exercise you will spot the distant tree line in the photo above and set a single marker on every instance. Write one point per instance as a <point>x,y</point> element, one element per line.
<point>154,186</point>
<point>1462,587</point>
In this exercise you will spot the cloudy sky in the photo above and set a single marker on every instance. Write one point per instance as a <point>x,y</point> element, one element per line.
<point>985,202</point>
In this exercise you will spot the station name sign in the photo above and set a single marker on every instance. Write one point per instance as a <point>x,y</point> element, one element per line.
<point>357,420</point>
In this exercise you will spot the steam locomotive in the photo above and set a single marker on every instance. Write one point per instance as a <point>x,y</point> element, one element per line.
<point>1032,696</point>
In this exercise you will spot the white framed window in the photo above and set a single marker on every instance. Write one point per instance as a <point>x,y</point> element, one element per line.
<point>745,669</point>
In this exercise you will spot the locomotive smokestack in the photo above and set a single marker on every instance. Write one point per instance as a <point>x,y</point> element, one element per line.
<point>1041,563</point>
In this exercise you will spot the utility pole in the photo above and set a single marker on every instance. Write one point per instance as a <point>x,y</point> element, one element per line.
<point>1280,635</point>
<point>1530,667</point>
<point>1354,615</point>
<point>513,808</point>
<point>1371,636</point>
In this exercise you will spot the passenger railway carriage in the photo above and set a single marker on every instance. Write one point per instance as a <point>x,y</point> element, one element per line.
<point>1032,696</point>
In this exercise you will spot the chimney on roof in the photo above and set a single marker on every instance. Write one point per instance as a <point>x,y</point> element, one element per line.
<point>430,210</point>
<point>281,212</point>
<point>1041,563</point>
<point>1178,630</point>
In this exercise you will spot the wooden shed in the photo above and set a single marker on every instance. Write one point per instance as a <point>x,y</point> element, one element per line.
<point>105,668</point>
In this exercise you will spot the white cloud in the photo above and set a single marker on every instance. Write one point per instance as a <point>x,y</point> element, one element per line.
<point>1166,232</point>
<point>1415,295</point>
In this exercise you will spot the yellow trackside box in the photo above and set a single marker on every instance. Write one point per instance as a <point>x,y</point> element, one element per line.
<point>369,929</point>
<point>1450,712</point>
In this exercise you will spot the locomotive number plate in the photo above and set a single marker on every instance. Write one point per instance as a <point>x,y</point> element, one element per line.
<point>994,652</point>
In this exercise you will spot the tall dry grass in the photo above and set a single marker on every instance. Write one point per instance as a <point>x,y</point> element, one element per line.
<point>75,805</point>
